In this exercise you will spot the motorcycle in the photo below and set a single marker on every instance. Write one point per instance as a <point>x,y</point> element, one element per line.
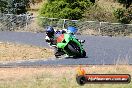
<point>70,46</point>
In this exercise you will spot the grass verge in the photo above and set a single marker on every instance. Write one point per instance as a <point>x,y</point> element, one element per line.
<point>57,77</point>
<point>11,52</point>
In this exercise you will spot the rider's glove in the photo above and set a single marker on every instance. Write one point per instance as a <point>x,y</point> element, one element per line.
<point>47,39</point>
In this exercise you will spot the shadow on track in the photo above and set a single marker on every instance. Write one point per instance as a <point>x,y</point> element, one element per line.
<point>75,57</point>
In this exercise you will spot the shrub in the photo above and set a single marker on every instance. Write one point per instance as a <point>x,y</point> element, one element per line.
<point>3,6</point>
<point>126,3</point>
<point>123,15</point>
<point>66,9</point>
<point>14,6</point>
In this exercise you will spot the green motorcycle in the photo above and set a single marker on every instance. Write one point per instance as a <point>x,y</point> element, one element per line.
<point>70,46</point>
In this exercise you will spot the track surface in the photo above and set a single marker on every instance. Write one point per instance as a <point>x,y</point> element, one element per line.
<point>100,50</point>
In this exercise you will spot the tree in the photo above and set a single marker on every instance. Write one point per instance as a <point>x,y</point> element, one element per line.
<point>20,6</point>
<point>126,3</point>
<point>123,15</point>
<point>93,1</point>
<point>3,6</point>
<point>14,6</point>
<point>50,1</point>
<point>67,9</point>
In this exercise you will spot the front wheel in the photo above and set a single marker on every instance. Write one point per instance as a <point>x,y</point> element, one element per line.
<point>74,49</point>
<point>83,54</point>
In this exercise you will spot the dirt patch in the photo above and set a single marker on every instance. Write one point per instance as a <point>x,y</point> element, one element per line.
<point>10,51</point>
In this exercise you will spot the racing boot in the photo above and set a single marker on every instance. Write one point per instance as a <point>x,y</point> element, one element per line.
<point>58,52</point>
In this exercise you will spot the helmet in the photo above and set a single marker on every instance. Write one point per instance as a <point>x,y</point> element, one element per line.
<point>50,31</point>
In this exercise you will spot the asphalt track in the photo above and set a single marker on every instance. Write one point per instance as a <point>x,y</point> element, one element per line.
<point>100,50</point>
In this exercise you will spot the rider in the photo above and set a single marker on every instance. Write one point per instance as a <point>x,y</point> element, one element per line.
<point>51,36</point>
